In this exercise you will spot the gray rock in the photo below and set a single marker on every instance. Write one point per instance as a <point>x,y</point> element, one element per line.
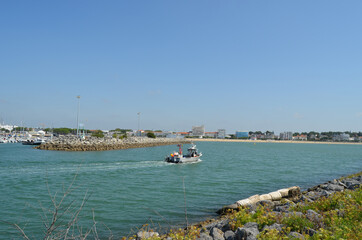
<point>335,187</point>
<point>358,178</point>
<point>248,232</point>
<point>349,182</point>
<point>266,203</point>
<point>342,184</point>
<point>204,236</point>
<point>251,225</point>
<point>217,234</point>
<point>325,193</point>
<point>313,195</point>
<point>284,208</point>
<point>295,235</point>
<point>354,186</point>
<point>229,235</point>
<point>276,226</point>
<point>227,208</point>
<point>306,199</point>
<point>313,216</point>
<point>223,225</point>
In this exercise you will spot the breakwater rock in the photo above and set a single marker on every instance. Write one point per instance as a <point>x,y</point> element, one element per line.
<point>72,143</point>
<point>286,213</point>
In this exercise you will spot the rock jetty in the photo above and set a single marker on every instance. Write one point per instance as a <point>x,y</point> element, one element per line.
<point>280,203</point>
<point>72,143</point>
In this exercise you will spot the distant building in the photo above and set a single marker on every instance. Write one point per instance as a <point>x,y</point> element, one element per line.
<point>161,134</point>
<point>221,133</point>
<point>286,136</point>
<point>211,134</point>
<point>341,137</point>
<point>140,133</point>
<point>300,137</point>
<point>269,135</point>
<point>241,134</point>
<point>8,127</point>
<point>198,131</point>
<point>183,134</point>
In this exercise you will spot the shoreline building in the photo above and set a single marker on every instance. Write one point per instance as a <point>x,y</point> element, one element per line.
<point>8,127</point>
<point>221,133</point>
<point>198,131</point>
<point>286,136</point>
<point>240,134</point>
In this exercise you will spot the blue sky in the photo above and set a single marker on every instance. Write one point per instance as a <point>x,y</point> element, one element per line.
<point>238,65</point>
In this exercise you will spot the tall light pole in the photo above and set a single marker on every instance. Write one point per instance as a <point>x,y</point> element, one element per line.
<point>139,116</point>
<point>78,116</point>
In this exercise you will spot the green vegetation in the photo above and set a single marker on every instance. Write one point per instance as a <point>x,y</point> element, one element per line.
<point>62,131</point>
<point>20,129</point>
<point>4,130</point>
<point>151,135</point>
<point>340,217</point>
<point>122,131</point>
<point>98,134</point>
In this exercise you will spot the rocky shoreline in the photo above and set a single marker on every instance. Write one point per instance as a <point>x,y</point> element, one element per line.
<point>72,143</point>
<point>281,204</point>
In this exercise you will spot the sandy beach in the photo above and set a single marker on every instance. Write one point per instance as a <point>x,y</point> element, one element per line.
<point>268,141</point>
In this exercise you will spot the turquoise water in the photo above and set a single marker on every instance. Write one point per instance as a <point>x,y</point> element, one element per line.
<point>129,188</point>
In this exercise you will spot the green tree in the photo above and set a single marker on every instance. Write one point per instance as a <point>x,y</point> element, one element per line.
<point>98,134</point>
<point>151,135</point>
<point>4,130</point>
<point>62,131</point>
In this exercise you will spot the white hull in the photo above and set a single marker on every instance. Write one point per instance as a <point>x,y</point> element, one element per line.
<point>183,159</point>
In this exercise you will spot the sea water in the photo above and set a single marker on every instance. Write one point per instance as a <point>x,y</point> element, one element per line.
<point>125,189</point>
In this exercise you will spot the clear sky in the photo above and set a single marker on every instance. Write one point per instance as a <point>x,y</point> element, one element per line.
<point>238,65</point>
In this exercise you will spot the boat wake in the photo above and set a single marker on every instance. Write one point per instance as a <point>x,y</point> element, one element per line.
<point>186,163</point>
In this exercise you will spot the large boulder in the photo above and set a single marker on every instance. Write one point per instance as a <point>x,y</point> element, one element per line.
<point>229,235</point>
<point>217,234</point>
<point>248,232</point>
<point>333,187</point>
<point>313,216</point>
<point>275,226</point>
<point>204,236</point>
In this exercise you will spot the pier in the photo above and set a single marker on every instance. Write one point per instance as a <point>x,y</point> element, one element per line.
<point>72,143</point>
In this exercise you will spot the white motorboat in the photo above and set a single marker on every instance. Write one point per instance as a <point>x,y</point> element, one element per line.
<point>177,157</point>
<point>37,141</point>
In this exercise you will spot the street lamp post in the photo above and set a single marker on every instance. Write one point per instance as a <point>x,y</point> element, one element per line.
<point>78,116</point>
<point>139,116</point>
